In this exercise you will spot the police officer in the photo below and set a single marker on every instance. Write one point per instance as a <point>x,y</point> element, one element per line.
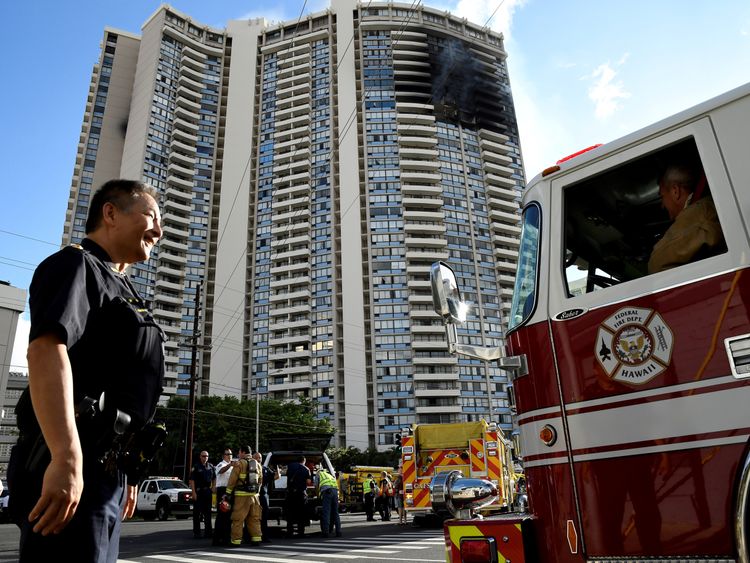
<point>269,476</point>
<point>202,480</point>
<point>91,336</point>
<point>295,503</point>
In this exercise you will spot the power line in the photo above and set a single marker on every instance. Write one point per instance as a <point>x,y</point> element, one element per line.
<point>29,238</point>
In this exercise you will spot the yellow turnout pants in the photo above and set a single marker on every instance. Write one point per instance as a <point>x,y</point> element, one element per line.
<point>246,510</point>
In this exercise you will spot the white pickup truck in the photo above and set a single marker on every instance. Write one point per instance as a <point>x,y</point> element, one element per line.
<point>158,497</point>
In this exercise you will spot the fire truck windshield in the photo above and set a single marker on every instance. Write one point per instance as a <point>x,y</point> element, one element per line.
<point>524,292</point>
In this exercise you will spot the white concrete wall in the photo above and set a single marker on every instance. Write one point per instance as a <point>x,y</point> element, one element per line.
<point>355,388</point>
<point>231,255</point>
<point>141,98</point>
<point>117,110</point>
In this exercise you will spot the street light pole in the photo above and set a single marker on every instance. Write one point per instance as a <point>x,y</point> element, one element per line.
<point>257,414</point>
<point>191,398</point>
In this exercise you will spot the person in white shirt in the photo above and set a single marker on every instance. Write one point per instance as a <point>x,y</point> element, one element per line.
<point>223,524</point>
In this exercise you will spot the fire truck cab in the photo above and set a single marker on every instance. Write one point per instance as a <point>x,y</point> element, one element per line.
<point>629,345</point>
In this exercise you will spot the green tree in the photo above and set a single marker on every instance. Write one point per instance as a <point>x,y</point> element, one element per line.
<point>228,421</point>
<point>344,458</point>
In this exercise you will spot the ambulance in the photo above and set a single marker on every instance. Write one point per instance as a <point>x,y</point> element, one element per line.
<point>473,449</point>
<point>631,372</point>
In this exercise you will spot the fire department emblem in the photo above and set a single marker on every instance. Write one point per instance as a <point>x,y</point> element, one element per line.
<point>634,345</point>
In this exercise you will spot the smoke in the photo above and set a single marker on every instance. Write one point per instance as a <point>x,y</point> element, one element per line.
<point>457,77</point>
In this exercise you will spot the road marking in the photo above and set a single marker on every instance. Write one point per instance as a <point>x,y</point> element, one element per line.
<point>234,555</point>
<point>340,548</point>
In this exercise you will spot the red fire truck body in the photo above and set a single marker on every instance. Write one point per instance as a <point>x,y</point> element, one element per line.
<point>634,404</point>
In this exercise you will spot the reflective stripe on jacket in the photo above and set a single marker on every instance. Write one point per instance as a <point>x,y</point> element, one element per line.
<point>367,486</point>
<point>325,479</point>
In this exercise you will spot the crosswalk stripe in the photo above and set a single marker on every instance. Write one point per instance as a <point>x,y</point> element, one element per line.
<point>234,555</point>
<point>340,548</point>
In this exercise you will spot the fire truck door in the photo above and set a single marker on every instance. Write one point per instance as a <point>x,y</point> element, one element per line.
<point>657,424</point>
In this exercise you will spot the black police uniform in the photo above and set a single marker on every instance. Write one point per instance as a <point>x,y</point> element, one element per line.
<point>202,476</point>
<point>296,497</point>
<point>115,348</point>
<point>267,484</point>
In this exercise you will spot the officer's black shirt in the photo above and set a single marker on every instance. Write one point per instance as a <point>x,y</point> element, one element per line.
<point>297,476</point>
<point>202,475</point>
<point>113,343</point>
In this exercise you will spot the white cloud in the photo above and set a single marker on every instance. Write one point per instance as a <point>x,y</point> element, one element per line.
<point>606,92</point>
<point>18,357</point>
<point>479,11</point>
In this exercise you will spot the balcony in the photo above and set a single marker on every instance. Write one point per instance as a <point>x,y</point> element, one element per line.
<point>175,315</point>
<point>168,243</point>
<point>511,218</point>
<point>293,101</point>
<point>290,241</point>
<point>173,192</point>
<point>422,202</point>
<point>192,107</point>
<point>410,215</point>
<point>422,189</point>
<point>417,165</point>
<point>407,140</point>
<point>297,214</point>
<point>416,176</point>
<point>293,90</point>
<point>504,205</point>
<point>507,254</point>
<point>415,119</point>
<point>169,216</point>
<point>178,145</point>
<point>494,179</point>
<point>169,299</point>
<point>510,229</point>
<point>290,281</point>
<point>426,241</point>
<point>163,269</point>
<point>487,135</point>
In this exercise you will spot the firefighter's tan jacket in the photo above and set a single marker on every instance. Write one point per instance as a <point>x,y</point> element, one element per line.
<point>239,475</point>
<point>695,234</point>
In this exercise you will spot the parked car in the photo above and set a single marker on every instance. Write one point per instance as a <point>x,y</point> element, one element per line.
<point>4,497</point>
<point>160,497</point>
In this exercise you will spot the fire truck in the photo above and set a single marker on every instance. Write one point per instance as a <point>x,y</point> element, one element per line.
<point>630,373</point>
<point>351,486</point>
<point>474,449</point>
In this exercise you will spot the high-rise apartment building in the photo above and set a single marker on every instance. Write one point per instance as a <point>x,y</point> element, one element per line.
<point>12,383</point>
<point>310,172</point>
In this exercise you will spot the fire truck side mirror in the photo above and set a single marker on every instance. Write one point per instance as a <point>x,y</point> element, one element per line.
<point>446,296</point>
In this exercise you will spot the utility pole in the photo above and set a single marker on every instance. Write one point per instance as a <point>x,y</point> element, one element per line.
<point>191,398</point>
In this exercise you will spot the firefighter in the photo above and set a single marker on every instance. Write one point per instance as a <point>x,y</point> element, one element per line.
<point>695,233</point>
<point>369,488</point>
<point>244,484</point>
<point>385,491</point>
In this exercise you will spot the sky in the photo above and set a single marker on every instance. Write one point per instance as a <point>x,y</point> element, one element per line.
<point>582,72</point>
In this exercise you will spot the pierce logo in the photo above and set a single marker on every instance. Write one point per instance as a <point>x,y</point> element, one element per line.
<point>634,345</point>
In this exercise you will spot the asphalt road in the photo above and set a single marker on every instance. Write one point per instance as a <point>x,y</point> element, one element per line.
<point>173,540</point>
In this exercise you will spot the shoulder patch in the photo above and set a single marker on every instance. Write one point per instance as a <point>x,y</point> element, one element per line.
<point>76,246</point>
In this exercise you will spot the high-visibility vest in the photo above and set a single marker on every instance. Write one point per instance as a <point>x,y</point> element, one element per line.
<point>367,486</point>
<point>325,479</point>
